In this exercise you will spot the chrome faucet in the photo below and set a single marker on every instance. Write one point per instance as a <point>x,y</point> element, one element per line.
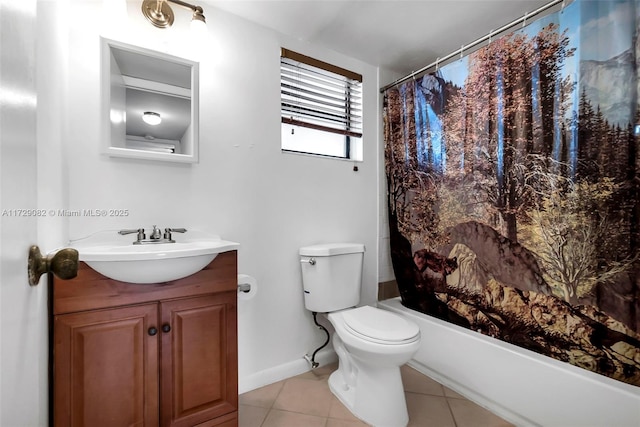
<point>156,235</point>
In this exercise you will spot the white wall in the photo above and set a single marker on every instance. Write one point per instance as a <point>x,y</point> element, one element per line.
<point>244,188</point>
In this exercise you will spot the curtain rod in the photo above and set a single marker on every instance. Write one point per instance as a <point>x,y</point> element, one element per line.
<point>477,42</point>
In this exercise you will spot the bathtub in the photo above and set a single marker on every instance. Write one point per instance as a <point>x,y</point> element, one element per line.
<point>521,386</point>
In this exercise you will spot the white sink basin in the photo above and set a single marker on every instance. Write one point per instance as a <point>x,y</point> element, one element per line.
<point>116,256</point>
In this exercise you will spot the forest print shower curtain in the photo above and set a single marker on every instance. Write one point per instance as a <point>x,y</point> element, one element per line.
<point>514,185</point>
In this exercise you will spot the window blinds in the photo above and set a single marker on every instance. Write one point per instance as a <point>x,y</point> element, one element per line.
<point>320,96</point>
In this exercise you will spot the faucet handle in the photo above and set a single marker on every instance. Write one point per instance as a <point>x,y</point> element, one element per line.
<point>176,230</point>
<point>128,231</point>
<point>140,232</point>
<point>168,231</point>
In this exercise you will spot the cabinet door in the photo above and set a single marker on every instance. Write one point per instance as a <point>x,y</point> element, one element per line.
<point>199,359</point>
<point>106,367</point>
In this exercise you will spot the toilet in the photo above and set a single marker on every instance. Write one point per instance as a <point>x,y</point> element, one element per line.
<point>371,343</point>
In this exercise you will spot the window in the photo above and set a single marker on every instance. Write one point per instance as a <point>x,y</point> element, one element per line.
<point>321,107</point>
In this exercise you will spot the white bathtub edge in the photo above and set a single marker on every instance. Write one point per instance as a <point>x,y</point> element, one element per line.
<point>488,404</point>
<point>521,386</point>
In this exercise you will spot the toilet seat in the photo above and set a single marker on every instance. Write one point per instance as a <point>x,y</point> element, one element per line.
<point>379,326</point>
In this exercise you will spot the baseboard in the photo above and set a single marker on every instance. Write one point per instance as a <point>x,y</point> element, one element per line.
<point>490,405</point>
<point>284,371</point>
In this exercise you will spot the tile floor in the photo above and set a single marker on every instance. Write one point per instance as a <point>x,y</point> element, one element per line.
<point>306,401</point>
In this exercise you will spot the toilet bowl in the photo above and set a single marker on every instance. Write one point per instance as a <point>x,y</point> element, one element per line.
<point>371,345</point>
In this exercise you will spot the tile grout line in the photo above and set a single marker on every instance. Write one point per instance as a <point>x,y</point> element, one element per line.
<point>453,417</point>
<point>271,408</point>
<point>272,403</point>
<point>284,383</point>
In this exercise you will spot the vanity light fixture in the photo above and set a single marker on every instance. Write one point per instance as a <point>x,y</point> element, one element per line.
<point>151,118</point>
<point>159,13</point>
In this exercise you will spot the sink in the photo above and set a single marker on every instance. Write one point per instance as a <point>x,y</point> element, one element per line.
<point>116,257</point>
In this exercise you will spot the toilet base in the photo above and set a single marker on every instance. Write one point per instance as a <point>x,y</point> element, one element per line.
<point>377,397</point>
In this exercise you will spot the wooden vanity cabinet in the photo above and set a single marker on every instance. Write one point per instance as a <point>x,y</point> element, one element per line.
<point>146,355</point>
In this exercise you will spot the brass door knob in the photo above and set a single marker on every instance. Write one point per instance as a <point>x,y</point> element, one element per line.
<point>64,264</point>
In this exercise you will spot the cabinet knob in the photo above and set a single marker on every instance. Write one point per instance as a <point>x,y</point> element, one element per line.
<point>152,331</point>
<point>166,327</point>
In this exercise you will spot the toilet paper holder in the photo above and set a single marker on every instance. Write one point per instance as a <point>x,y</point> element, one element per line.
<point>247,287</point>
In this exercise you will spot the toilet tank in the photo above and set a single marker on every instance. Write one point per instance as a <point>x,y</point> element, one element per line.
<point>331,276</point>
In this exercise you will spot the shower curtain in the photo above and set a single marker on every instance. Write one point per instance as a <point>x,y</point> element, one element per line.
<point>514,188</point>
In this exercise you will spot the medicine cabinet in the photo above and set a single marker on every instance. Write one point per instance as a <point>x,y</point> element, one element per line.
<point>150,104</point>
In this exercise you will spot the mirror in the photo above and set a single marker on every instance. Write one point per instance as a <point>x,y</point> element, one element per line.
<point>150,104</point>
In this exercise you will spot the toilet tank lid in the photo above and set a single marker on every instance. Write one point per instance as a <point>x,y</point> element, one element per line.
<point>329,249</point>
